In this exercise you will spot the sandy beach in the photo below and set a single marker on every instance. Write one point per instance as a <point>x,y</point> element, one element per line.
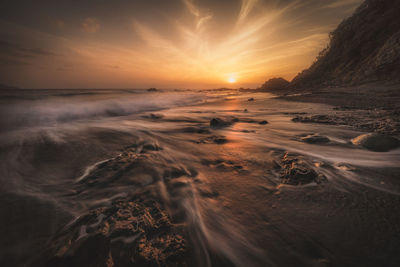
<point>212,177</point>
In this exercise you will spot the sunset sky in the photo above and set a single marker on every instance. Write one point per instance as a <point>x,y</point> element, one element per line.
<point>161,43</point>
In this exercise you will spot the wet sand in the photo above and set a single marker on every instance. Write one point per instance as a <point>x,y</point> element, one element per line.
<point>162,185</point>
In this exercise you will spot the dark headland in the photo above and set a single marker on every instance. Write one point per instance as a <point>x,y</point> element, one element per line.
<point>358,72</point>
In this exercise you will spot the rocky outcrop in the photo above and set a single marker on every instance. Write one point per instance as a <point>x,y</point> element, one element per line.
<point>274,84</point>
<point>129,233</point>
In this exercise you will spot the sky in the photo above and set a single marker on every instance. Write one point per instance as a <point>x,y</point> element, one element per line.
<point>162,43</point>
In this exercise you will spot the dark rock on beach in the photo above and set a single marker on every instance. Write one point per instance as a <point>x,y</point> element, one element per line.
<point>156,116</point>
<point>216,139</point>
<point>153,116</point>
<point>263,122</point>
<point>376,142</point>
<point>219,123</point>
<point>192,129</point>
<point>315,119</point>
<point>129,233</point>
<point>315,139</point>
<point>295,171</point>
<point>378,120</point>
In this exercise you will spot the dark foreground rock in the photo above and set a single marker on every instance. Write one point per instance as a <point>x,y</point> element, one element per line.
<point>132,232</point>
<point>376,142</point>
<point>294,171</point>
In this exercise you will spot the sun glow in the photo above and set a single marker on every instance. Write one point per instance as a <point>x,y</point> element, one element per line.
<point>231,79</point>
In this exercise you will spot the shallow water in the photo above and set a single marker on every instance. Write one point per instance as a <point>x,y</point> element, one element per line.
<point>65,153</point>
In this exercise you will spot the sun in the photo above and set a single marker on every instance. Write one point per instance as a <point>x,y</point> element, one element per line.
<point>231,79</point>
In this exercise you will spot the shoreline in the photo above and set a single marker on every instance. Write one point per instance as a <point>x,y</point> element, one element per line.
<point>367,108</point>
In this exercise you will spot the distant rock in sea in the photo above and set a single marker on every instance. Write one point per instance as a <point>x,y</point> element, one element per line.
<point>152,90</point>
<point>274,84</point>
<point>7,87</point>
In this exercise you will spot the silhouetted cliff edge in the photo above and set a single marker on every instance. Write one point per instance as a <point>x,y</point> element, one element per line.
<point>364,48</point>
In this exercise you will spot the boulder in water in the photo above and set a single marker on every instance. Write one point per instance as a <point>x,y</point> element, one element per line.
<point>315,139</point>
<point>219,123</point>
<point>376,142</point>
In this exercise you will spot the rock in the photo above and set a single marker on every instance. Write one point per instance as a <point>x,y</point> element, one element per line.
<point>315,139</point>
<point>220,140</point>
<point>132,232</point>
<point>296,172</point>
<point>247,120</point>
<point>199,130</point>
<point>275,84</point>
<point>263,122</point>
<point>245,110</point>
<point>156,116</point>
<point>219,123</point>
<point>250,99</point>
<point>7,87</point>
<point>216,139</point>
<point>152,90</point>
<point>376,142</point>
<point>315,119</point>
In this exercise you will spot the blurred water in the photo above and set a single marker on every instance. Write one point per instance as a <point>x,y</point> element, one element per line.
<point>55,142</point>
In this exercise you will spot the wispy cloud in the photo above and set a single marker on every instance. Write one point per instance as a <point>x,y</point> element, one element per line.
<point>201,17</point>
<point>341,3</point>
<point>245,9</point>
